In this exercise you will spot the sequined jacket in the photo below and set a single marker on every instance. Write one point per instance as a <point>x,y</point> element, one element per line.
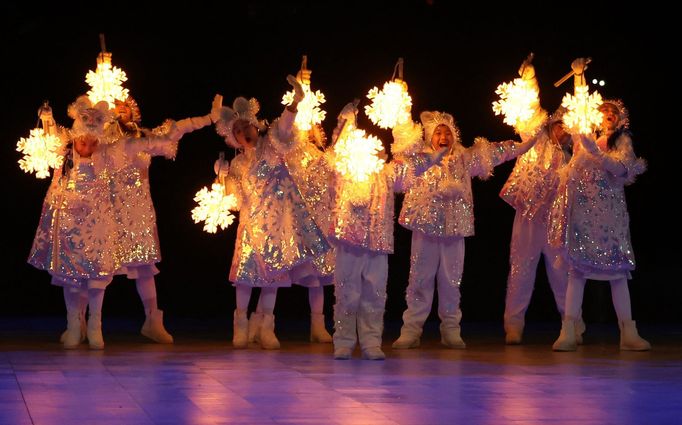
<point>313,178</point>
<point>127,165</point>
<point>73,241</point>
<point>370,225</point>
<point>276,230</point>
<point>590,218</point>
<point>440,202</point>
<point>532,184</point>
<point>360,214</point>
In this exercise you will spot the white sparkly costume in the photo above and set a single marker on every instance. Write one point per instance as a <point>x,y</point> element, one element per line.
<point>138,243</point>
<point>591,223</point>
<point>530,190</point>
<point>74,241</point>
<point>362,232</point>
<point>438,209</point>
<point>358,219</point>
<point>137,247</point>
<point>277,237</point>
<point>313,185</point>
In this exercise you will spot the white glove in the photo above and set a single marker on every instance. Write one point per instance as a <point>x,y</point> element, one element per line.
<point>298,89</point>
<point>527,71</point>
<point>346,117</point>
<point>348,112</point>
<point>216,107</point>
<point>303,76</point>
<point>45,112</point>
<point>221,167</point>
<point>579,66</point>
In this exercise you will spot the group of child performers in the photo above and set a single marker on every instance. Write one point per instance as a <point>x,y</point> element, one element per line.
<point>303,221</point>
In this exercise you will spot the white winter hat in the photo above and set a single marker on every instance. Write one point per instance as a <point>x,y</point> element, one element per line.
<point>624,115</point>
<point>89,118</point>
<point>432,119</point>
<point>242,109</point>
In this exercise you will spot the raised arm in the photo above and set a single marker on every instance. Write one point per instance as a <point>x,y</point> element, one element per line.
<point>484,155</point>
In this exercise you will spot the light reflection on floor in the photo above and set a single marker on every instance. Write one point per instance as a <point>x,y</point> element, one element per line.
<point>201,380</point>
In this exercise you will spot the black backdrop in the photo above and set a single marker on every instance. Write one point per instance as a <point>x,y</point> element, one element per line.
<point>177,58</point>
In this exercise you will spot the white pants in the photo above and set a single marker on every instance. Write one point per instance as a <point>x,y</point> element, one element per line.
<point>433,258</point>
<point>528,243</point>
<point>360,290</point>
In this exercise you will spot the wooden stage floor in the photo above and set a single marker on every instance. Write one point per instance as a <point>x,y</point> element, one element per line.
<point>202,380</point>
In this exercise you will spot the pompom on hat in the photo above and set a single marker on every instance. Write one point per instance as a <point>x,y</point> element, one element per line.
<point>242,109</point>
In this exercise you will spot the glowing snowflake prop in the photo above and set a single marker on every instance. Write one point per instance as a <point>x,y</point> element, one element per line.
<point>214,208</point>
<point>106,82</point>
<point>390,106</point>
<point>309,112</point>
<point>357,155</point>
<point>517,103</point>
<point>583,113</point>
<point>41,152</point>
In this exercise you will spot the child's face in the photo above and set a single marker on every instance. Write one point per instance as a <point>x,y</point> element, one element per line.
<point>245,133</point>
<point>92,119</point>
<point>123,112</point>
<point>85,145</point>
<point>442,137</point>
<point>610,118</point>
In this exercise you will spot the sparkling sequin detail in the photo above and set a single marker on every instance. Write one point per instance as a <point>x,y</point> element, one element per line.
<point>590,216</point>
<point>440,202</point>
<point>276,230</point>
<point>73,241</point>
<point>532,184</point>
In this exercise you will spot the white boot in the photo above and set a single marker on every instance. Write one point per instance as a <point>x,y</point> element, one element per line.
<point>630,339</point>
<point>268,339</point>
<point>343,353</point>
<point>318,331</point>
<point>513,330</point>
<point>406,340</point>
<point>450,336</point>
<point>84,330</point>
<point>255,322</point>
<point>373,353</point>
<point>566,340</point>
<point>153,327</point>
<point>240,335</point>
<point>345,335</point>
<point>95,338</point>
<point>72,336</point>
<point>579,331</point>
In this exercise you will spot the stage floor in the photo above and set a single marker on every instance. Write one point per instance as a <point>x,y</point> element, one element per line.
<point>202,380</point>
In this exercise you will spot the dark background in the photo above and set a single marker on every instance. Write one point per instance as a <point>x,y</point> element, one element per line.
<point>177,58</point>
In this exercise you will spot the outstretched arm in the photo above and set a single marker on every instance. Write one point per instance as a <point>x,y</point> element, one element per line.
<point>607,162</point>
